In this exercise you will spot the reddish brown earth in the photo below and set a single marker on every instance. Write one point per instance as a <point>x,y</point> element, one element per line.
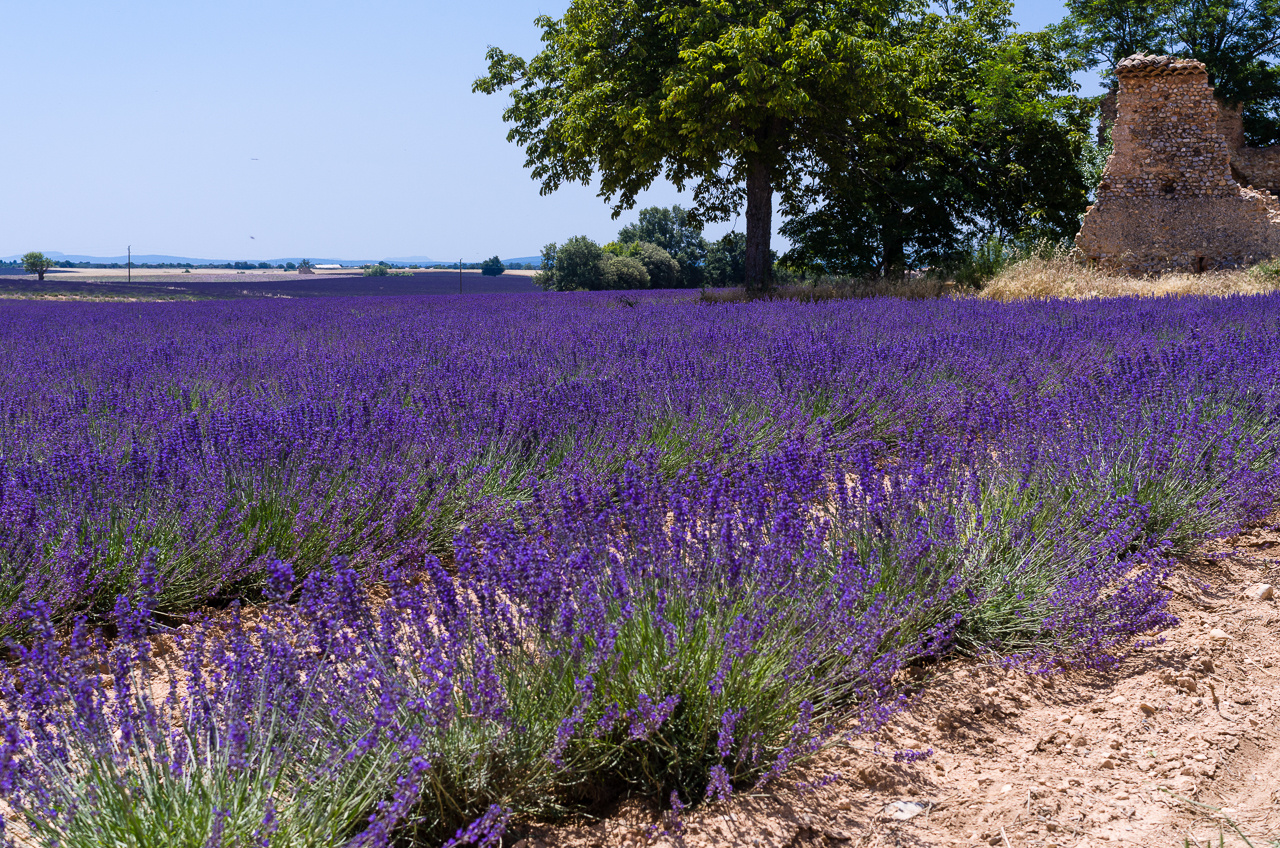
<point>1140,755</point>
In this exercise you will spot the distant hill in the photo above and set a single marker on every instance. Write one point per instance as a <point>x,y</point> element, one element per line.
<point>524,260</point>
<point>417,260</point>
<point>149,258</point>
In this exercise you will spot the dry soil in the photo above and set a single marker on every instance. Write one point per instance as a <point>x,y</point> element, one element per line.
<point>1178,742</point>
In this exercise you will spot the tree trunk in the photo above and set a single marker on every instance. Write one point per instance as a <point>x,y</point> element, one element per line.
<point>759,268</point>
<point>894,264</point>
<point>40,275</point>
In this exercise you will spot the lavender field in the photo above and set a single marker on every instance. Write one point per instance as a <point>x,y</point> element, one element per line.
<point>419,570</point>
<point>203,285</point>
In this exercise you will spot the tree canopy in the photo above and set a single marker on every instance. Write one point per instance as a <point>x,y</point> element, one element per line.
<point>36,263</point>
<point>581,264</point>
<point>675,231</point>
<point>730,97</point>
<point>1238,41</point>
<point>492,267</point>
<point>999,154</point>
<point>572,266</point>
<point>726,261</point>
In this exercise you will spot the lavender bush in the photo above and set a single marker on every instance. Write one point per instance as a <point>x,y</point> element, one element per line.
<point>685,544</point>
<point>673,637</point>
<point>238,737</point>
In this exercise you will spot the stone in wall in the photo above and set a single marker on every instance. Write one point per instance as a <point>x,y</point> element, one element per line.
<point>1167,199</point>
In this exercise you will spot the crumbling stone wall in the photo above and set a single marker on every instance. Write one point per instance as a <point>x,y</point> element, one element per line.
<point>1258,167</point>
<point>1231,126</point>
<point>1168,199</point>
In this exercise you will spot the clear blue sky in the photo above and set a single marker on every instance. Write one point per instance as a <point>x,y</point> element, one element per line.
<point>319,128</point>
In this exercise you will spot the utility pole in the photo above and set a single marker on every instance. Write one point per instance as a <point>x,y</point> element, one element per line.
<point>129,264</point>
<point>459,275</point>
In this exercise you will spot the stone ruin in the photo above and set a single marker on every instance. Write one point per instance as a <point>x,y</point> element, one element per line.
<point>1180,192</point>
<point>1258,167</point>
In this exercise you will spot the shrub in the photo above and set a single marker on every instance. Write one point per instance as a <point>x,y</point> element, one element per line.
<point>622,272</point>
<point>492,267</point>
<point>992,256</point>
<point>680,636</point>
<point>229,757</point>
<point>678,565</point>
<point>663,271</point>
<point>377,271</point>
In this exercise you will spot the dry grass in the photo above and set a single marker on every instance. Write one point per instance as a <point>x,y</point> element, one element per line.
<point>1063,277</point>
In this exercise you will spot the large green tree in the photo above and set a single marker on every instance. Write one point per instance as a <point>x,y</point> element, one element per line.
<point>729,96</point>
<point>1238,41</point>
<point>997,156</point>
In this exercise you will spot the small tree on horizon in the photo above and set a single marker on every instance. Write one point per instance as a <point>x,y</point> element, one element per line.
<point>492,267</point>
<point>36,263</point>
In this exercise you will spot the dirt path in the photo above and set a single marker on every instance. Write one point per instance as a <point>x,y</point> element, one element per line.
<point>1077,760</point>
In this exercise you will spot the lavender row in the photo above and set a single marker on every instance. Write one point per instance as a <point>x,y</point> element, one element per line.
<point>679,636</point>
